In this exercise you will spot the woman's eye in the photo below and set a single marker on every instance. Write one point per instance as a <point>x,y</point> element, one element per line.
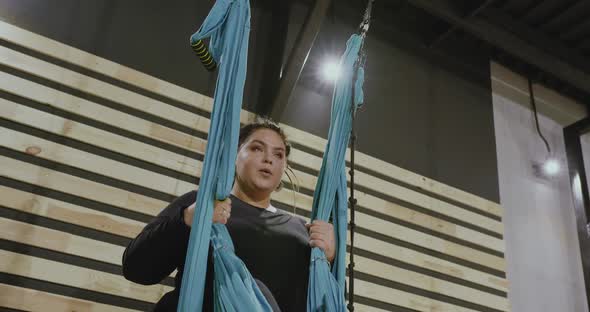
<point>257,148</point>
<point>279,155</point>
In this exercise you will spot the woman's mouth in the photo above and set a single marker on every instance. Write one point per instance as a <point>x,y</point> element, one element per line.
<point>265,172</point>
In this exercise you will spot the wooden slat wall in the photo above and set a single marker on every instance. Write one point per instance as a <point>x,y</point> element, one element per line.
<point>92,150</point>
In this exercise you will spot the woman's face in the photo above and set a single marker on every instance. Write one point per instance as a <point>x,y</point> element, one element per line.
<point>261,162</point>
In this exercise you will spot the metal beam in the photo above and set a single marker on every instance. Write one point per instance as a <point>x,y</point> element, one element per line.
<point>298,57</point>
<point>454,27</point>
<point>570,14</point>
<point>576,31</point>
<point>584,45</point>
<point>580,197</point>
<point>507,41</point>
<point>540,11</point>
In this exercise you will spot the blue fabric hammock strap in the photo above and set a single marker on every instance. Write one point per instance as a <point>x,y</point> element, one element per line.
<point>228,26</point>
<point>326,286</point>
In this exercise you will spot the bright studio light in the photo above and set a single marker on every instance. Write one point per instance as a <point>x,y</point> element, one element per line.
<point>551,167</point>
<point>331,70</point>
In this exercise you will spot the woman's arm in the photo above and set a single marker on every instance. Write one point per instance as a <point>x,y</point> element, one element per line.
<point>161,245</point>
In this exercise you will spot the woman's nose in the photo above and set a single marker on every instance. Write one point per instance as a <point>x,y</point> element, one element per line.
<point>267,158</point>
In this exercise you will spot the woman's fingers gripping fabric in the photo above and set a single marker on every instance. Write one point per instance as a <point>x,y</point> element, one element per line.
<point>321,235</point>
<point>222,211</point>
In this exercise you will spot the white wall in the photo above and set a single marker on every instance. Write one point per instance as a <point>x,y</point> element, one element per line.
<point>542,252</point>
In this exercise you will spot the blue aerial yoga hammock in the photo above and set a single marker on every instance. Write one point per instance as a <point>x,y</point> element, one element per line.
<point>326,289</point>
<point>228,25</point>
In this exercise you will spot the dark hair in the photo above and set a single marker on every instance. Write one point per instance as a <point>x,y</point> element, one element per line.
<point>263,123</point>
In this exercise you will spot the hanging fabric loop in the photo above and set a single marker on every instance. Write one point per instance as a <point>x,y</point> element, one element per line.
<point>228,25</point>
<point>326,287</point>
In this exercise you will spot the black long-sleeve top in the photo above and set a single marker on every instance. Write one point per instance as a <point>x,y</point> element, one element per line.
<point>273,245</point>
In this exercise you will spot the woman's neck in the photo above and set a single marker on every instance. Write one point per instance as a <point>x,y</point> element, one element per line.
<point>261,200</point>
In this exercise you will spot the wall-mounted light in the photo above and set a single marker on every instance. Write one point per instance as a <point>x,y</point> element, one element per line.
<point>547,169</point>
<point>551,167</point>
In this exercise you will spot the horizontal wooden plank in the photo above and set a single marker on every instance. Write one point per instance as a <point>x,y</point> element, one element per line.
<point>404,299</point>
<point>427,184</point>
<point>42,237</point>
<point>99,88</point>
<point>79,106</point>
<point>80,187</point>
<point>365,308</point>
<point>66,212</point>
<point>97,164</point>
<point>100,165</point>
<point>182,117</point>
<point>429,203</point>
<point>429,241</point>
<point>425,261</point>
<point>74,276</point>
<point>26,299</point>
<point>69,213</point>
<point>100,65</point>
<point>429,283</point>
<point>408,195</point>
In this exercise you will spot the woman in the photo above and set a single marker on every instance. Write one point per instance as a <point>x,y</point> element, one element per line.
<point>274,245</point>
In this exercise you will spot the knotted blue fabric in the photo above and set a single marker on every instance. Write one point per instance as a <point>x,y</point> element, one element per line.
<point>326,288</point>
<point>228,25</point>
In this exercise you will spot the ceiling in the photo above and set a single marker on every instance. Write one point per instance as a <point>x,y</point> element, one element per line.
<point>547,40</point>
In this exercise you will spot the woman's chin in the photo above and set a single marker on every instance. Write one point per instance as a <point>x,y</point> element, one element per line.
<point>265,187</point>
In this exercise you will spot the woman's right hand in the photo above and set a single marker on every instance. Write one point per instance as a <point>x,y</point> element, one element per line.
<point>221,212</point>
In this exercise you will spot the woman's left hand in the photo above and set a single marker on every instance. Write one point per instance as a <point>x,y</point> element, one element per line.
<point>321,234</point>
